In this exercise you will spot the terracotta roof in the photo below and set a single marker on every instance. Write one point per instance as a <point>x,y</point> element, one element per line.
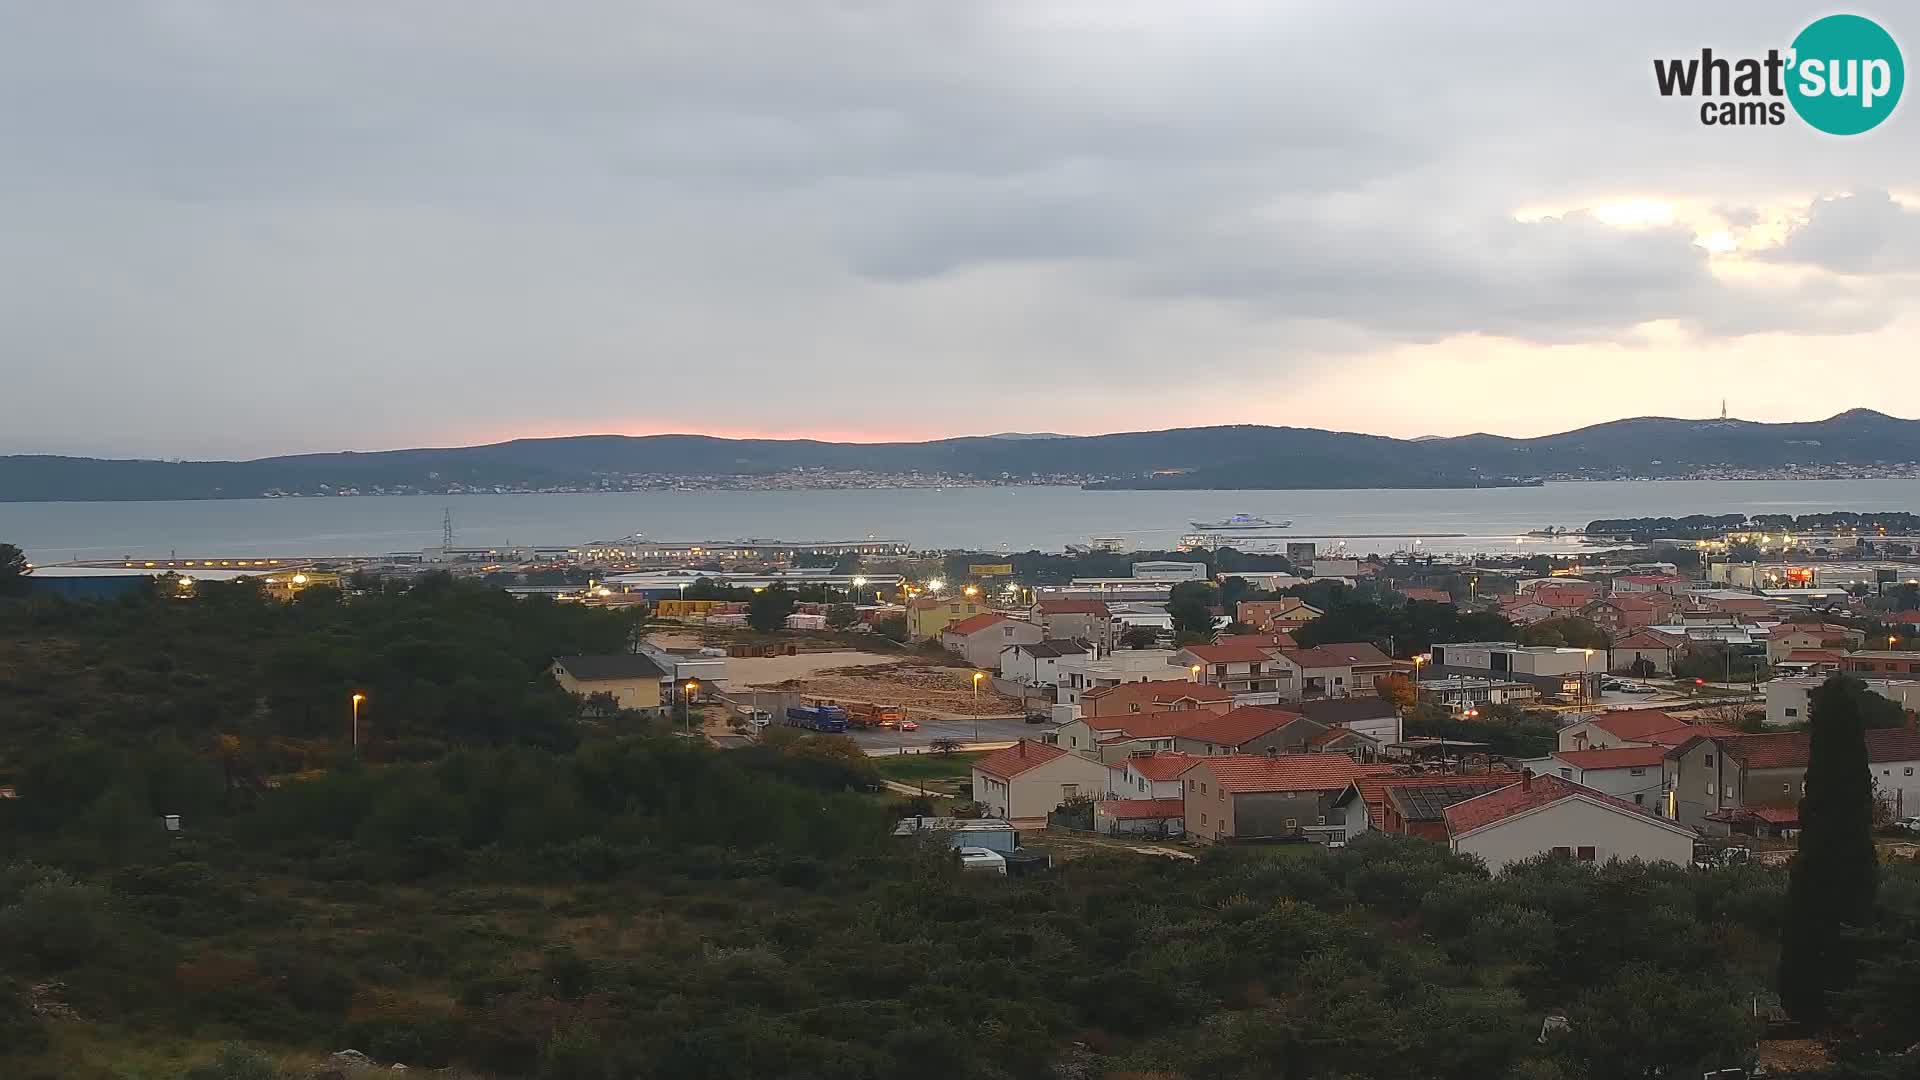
<point>1158,765</point>
<point>1241,725</point>
<point>1270,641</point>
<point>1893,744</point>
<point>1653,726</point>
<point>1244,773</point>
<point>1773,815</point>
<point>1654,579</point>
<point>1072,607</point>
<point>1158,724</point>
<point>1438,596</point>
<point>1235,653</point>
<point>1340,654</point>
<point>1023,756</point>
<point>1782,750</point>
<point>1158,692</point>
<point>1336,734</point>
<point>973,624</point>
<point>1344,710</point>
<point>1137,809</point>
<point>1530,794</point>
<point>1623,757</point>
<point>1814,656</point>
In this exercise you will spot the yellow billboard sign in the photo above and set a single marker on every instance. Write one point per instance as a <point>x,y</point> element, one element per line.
<point>998,569</point>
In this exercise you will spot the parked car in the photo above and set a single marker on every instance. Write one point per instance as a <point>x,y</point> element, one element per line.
<point>1038,718</point>
<point>909,725</point>
<point>1910,824</point>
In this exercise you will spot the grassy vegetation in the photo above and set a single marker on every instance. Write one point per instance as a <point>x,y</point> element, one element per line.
<point>928,768</point>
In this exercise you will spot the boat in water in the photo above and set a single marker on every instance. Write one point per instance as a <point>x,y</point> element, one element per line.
<point>1239,523</point>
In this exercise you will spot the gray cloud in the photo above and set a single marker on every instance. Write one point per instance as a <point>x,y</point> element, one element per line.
<point>466,217</point>
<point>1864,233</point>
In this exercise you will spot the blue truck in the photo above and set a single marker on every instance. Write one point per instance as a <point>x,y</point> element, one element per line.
<point>817,717</point>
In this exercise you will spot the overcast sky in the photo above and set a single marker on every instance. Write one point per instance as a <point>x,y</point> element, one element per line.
<point>243,227</point>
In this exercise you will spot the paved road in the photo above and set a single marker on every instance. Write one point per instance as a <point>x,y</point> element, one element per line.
<point>989,730</point>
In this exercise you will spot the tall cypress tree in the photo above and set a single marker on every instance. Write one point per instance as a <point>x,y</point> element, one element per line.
<point>1836,871</point>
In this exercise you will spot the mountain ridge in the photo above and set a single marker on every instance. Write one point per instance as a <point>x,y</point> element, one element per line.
<point>1235,455</point>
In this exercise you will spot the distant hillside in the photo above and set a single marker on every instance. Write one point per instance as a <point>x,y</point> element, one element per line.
<point>1241,456</point>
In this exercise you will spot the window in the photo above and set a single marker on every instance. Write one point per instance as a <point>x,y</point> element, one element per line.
<point>1793,712</point>
<point>1563,852</point>
<point>1786,789</point>
<point>1190,785</point>
<point>1203,817</point>
<point>1639,799</point>
<point>1322,820</point>
<point>1636,772</point>
<point>1133,706</point>
<point>1586,854</point>
<point>1709,761</point>
<point>1291,824</point>
<point>1709,787</point>
<point>1223,794</point>
<point>1068,791</point>
<point>1203,787</point>
<point>1566,774</point>
<point>1908,771</point>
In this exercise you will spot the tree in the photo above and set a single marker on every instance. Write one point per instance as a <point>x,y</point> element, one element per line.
<point>1835,873</point>
<point>769,608</point>
<point>1568,631</point>
<point>1191,605</point>
<point>1397,689</point>
<point>13,571</point>
<point>1139,637</point>
<point>841,616</point>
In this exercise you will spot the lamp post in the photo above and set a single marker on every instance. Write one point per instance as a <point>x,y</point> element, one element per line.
<point>1195,669</point>
<point>355,700</point>
<point>977,676</point>
<point>686,701</point>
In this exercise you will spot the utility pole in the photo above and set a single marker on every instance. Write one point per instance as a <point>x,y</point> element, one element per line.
<point>446,528</point>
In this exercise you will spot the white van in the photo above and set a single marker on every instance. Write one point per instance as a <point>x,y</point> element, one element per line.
<point>985,860</point>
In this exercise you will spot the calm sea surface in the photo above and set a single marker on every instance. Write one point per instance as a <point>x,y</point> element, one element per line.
<point>1016,519</point>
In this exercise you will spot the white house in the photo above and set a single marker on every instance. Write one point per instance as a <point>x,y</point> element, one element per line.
<point>979,638</point>
<point>1079,674</point>
<point>1547,814</point>
<point>1893,756</point>
<point>1025,781</point>
<point>1037,663</point>
<point>1788,699</point>
<point>1631,773</point>
<point>1153,775</point>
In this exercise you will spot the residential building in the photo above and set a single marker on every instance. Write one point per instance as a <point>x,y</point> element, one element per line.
<point>1267,616</point>
<point>1024,782</point>
<point>1633,727</point>
<point>1149,818</point>
<point>1882,663</point>
<point>1624,613</point>
<point>1645,650</point>
<point>927,616</point>
<point>632,680</point>
<point>1336,568</point>
<point>1632,773</point>
<point>1731,602</point>
<point>1243,668</point>
<point>1524,612</point>
<point>1570,673</point>
<point>1547,814</point>
<point>1788,700</point>
<point>1463,692</point>
<point>1431,596</point>
<point>979,638</point>
<point>1341,669</point>
<point>1708,775</point>
<point>1037,663</point>
<point>1414,805</point>
<point>1893,756</point>
<point>1108,739</point>
<point>1152,775</point>
<point>1257,797</point>
<point>1156,696</point>
<point>1095,670</point>
<point>1650,583</point>
<point>1788,637</point>
<point>993,834</point>
<point>1087,620</point>
<point>1256,729</point>
<point>1353,744</point>
<point>1371,716</point>
<point>1810,662</point>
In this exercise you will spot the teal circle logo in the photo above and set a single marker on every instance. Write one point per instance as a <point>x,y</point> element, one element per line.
<point>1846,75</point>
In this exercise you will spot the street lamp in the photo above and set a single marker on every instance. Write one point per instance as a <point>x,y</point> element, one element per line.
<point>934,585</point>
<point>977,676</point>
<point>1196,672</point>
<point>356,699</point>
<point>687,693</point>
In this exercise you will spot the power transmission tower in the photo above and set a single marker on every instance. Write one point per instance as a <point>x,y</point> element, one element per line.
<point>446,527</point>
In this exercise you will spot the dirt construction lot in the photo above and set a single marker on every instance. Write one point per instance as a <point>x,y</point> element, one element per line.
<point>923,690</point>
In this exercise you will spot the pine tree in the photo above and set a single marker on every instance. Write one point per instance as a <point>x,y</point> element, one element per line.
<point>1835,872</point>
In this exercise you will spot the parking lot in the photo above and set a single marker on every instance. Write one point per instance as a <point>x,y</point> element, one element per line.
<point>987,730</point>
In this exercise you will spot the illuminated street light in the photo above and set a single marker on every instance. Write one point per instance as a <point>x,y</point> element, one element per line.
<point>356,700</point>
<point>935,584</point>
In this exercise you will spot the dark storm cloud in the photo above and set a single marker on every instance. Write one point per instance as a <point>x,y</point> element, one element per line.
<point>452,218</point>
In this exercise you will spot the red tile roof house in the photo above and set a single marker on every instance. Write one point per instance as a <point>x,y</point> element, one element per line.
<point>1634,727</point>
<point>979,638</point>
<point>1151,775</point>
<point>1089,620</point>
<point>1256,729</point>
<point>1635,774</point>
<point>1341,669</point>
<point>1162,695</point>
<point>1432,596</point>
<point>1153,818</point>
<point>1242,667</point>
<point>1548,815</point>
<point>1285,797</point>
<point>1024,782</point>
<point>1657,649</point>
<point>1414,805</point>
<point>1710,775</point>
